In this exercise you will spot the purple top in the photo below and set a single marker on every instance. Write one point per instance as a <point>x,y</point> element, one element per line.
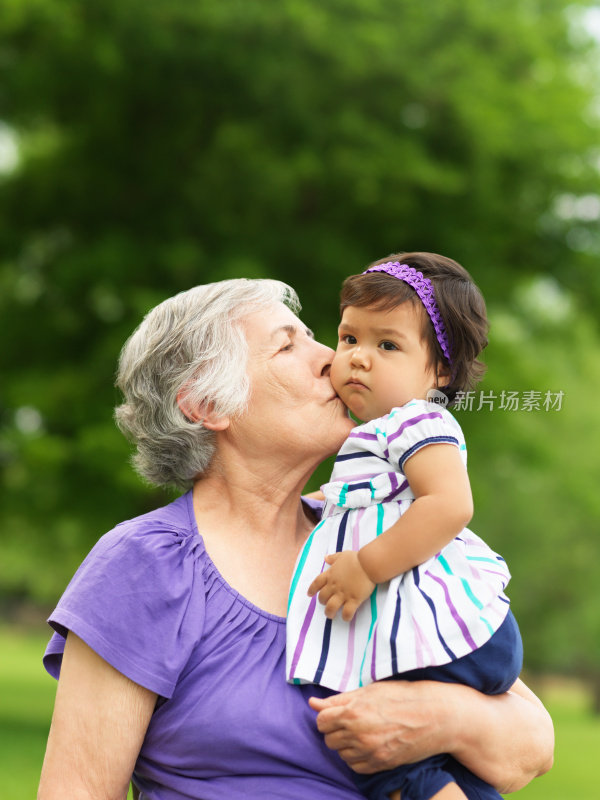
<point>149,600</point>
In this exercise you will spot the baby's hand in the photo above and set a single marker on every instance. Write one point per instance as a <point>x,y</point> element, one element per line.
<point>344,585</point>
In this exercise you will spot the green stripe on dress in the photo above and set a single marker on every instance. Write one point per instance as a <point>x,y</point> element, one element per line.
<point>301,564</point>
<point>468,591</point>
<point>379,531</point>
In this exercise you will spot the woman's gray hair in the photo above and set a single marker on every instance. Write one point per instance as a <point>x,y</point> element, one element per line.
<point>192,341</point>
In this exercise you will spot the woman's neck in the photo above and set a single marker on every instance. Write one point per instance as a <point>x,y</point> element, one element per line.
<point>253,525</point>
<point>263,495</point>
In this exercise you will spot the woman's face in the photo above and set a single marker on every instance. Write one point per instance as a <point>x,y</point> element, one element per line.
<point>293,407</point>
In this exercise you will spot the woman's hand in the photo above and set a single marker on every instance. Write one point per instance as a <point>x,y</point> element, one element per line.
<point>382,725</point>
<point>345,585</point>
<point>506,739</point>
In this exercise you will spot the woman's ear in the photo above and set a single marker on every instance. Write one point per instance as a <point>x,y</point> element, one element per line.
<point>203,413</point>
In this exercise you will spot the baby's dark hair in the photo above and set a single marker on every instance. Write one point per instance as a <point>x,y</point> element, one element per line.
<point>460,302</point>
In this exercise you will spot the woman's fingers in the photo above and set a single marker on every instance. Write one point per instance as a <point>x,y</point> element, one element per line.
<point>320,703</point>
<point>334,721</point>
<point>331,711</point>
<point>377,727</point>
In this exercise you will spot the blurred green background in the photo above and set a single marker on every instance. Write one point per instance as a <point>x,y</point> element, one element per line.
<point>149,146</point>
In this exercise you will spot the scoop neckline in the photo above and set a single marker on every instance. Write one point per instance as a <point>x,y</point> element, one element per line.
<point>227,586</point>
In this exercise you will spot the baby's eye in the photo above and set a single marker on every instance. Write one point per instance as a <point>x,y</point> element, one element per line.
<point>348,339</point>
<point>388,346</point>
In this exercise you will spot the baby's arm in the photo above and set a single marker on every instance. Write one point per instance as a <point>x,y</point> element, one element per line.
<point>442,507</point>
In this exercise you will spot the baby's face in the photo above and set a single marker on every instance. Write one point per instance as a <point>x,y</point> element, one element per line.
<point>382,360</point>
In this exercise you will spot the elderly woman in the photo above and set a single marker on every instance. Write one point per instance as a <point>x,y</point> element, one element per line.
<point>170,638</point>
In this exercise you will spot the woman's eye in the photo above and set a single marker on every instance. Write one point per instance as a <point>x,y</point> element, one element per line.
<point>286,347</point>
<point>388,346</point>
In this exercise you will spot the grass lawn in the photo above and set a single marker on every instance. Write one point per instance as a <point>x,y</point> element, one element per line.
<point>27,696</point>
<point>573,776</point>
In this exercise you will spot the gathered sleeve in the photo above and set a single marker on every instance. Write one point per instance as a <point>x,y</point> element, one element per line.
<point>138,601</point>
<point>410,428</point>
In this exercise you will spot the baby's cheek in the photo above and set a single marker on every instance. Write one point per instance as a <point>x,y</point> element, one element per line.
<point>336,376</point>
<point>356,404</point>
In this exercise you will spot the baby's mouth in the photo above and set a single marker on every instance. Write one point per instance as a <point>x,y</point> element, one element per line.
<point>356,382</point>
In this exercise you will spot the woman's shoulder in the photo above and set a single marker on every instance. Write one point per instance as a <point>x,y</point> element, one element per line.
<point>153,533</point>
<point>138,597</point>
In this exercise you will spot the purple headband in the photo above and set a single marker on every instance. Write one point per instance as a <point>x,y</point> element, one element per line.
<point>424,288</point>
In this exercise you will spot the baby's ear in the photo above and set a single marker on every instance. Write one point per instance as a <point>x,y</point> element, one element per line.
<point>443,374</point>
<point>204,413</point>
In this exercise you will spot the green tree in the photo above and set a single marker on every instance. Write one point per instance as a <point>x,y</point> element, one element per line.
<point>165,143</point>
<point>533,444</point>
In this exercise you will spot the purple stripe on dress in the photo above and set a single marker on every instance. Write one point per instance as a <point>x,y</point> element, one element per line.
<point>351,633</point>
<point>502,576</point>
<point>371,437</point>
<point>477,569</point>
<point>455,615</point>
<point>490,571</point>
<point>349,656</point>
<point>412,421</point>
<point>303,632</point>
<point>421,643</point>
<point>356,530</point>
<point>373,675</point>
<point>348,478</point>
<point>399,490</point>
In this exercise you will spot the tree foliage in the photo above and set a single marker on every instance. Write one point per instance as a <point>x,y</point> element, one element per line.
<point>166,143</point>
<point>534,472</point>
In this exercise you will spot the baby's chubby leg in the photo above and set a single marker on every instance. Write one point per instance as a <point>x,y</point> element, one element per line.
<point>451,791</point>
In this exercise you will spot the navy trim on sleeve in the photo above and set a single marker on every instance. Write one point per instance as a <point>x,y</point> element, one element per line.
<point>430,440</point>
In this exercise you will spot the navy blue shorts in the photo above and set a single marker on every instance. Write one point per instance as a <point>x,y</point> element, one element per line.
<point>492,669</point>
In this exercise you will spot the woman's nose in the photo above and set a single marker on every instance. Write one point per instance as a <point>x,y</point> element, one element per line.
<point>326,355</point>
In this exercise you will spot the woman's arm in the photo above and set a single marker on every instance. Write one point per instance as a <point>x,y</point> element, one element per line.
<point>98,726</point>
<point>505,739</point>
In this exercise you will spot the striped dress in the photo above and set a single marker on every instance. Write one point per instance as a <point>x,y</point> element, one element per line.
<point>441,610</point>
